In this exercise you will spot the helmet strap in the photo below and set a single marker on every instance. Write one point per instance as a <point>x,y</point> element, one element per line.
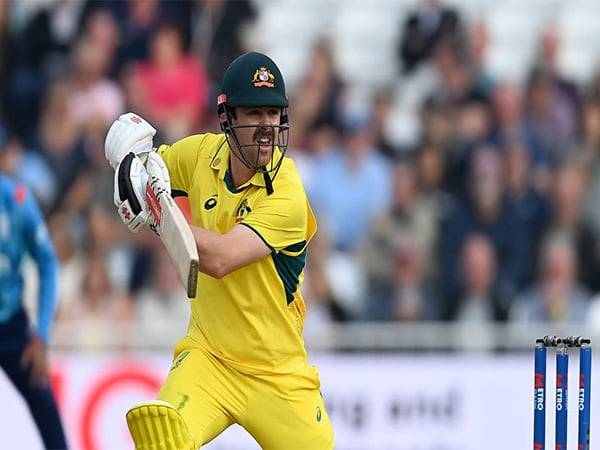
<point>268,183</point>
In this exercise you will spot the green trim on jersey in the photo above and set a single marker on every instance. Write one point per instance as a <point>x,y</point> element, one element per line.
<point>229,183</point>
<point>295,248</point>
<point>289,267</point>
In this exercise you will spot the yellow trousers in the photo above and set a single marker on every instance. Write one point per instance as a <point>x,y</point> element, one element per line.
<point>282,412</point>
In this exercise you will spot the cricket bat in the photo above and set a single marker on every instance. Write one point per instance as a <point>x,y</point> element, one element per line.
<point>177,237</point>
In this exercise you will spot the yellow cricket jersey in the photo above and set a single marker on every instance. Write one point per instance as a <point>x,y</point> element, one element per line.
<point>253,317</point>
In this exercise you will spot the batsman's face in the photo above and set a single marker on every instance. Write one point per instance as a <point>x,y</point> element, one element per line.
<point>257,138</point>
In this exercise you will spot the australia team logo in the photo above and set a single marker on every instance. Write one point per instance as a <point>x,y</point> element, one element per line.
<point>242,211</point>
<point>263,78</point>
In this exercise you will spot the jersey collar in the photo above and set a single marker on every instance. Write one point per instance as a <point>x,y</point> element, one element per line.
<point>220,163</point>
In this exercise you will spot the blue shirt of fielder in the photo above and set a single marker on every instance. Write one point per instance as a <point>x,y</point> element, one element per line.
<point>22,230</point>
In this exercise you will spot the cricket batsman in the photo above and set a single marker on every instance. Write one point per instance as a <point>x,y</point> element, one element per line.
<point>23,348</point>
<point>243,359</point>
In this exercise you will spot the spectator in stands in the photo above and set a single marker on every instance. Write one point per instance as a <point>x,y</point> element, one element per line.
<point>317,143</point>
<point>101,30</point>
<point>433,199</point>
<point>587,149</point>
<point>478,41</point>
<point>28,167</point>
<point>353,186</point>
<point>99,304</point>
<point>484,210</point>
<point>39,52</point>
<point>479,301</point>
<point>472,127</point>
<point>4,44</point>
<point>507,104</point>
<point>141,18</point>
<point>174,85</point>
<point>160,304</point>
<point>72,261</point>
<point>106,274</point>
<point>217,32</point>
<point>387,256</point>
<point>437,117</point>
<point>61,141</point>
<point>412,297</point>
<point>323,290</point>
<point>566,219</point>
<point>429,24</point>
<point>557,296</point>
<point>526,205</point>
<point>317,103</point>
<point>93,98</point>
<point>588,153</point>
<point>455,83</point>
<point>552,115</point>
<point>567,100</point>
<point>382,105</point>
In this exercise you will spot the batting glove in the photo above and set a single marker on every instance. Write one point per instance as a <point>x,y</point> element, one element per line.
<point>129,133</point>
<point>131,178</point>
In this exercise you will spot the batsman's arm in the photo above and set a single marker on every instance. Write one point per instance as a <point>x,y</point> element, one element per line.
<point>275,223</point>
<point>221,254</point>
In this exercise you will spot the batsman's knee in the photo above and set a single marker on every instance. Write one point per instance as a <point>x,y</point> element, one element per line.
<point>156,425</point>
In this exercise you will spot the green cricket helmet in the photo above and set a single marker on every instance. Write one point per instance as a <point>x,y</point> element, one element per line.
<point>253,79</point>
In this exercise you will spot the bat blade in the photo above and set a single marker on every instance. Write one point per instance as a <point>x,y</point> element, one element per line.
<point>177,238</point>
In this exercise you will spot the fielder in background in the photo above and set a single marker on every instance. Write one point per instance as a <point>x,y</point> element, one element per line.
<point>243,359</point>
<point>23,350</point>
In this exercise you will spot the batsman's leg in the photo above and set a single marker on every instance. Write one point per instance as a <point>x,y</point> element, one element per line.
<point>198,394</point>
<point>156,425</point>
<point>287,412</point>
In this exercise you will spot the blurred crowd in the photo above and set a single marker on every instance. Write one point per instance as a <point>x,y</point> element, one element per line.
<point>488,213</point>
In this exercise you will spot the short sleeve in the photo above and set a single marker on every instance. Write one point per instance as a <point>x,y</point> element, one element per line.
<point>281,218</point>
<point>181,159</point>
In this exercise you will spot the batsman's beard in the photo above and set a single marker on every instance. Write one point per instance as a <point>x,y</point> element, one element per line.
<point>258,156</point>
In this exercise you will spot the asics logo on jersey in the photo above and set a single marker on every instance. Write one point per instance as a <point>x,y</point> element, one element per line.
<point>211,202</point>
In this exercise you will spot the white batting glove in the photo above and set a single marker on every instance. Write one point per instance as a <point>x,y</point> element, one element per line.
<point>129,133</point>
<point>131,179</point>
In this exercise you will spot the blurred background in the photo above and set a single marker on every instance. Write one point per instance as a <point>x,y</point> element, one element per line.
<point>450,149</point>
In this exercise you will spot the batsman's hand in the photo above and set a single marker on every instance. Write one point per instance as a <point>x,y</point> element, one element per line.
<point>35,358</point>
<point>129,133</point>
<point>136,190</point>
<point>158,183</point>
<point>129,196</point>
